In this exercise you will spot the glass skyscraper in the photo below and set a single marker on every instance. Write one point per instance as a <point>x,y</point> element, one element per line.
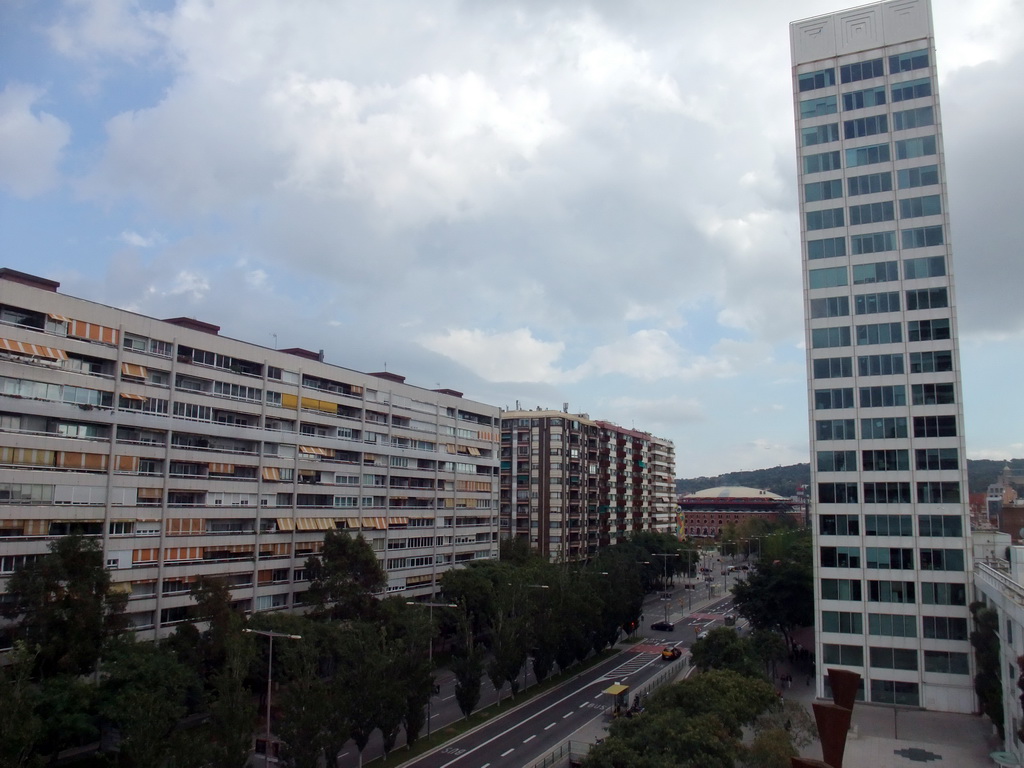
<point>888,466</point>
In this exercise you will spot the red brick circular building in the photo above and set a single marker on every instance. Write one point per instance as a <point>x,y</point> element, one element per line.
<point>705,512</point>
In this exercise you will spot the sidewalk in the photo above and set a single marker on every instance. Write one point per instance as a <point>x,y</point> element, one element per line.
<point>887,737</point>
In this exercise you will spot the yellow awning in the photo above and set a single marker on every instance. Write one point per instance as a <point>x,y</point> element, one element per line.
<point>222,469</point>
<point>32,350</point>
<point>131,369</point>
<point>130,396</point>
<point>58,318</point>
<point>285,524</point>
<point>398,521</point>
<point>272,473</point>
<point>289,401</point>
<point>615,690</point>
<point>314,450</point>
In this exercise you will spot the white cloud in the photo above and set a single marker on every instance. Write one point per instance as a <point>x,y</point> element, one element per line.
<point>31,143</point>
<point>189,285</point>
<point>136,240</point>
<point>90,28</point>
<point>511,356</point>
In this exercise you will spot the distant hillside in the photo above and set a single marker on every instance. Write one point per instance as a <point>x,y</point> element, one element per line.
<point>785,480</point>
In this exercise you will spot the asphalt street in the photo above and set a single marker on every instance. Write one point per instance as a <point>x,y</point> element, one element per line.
<point>524,734</point>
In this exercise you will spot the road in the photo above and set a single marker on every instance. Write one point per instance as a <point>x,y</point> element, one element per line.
<point>524,735</point>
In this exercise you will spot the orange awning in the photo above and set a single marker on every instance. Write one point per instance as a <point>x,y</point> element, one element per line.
<point>222,469</point>
<point>130,396</point>
<point>272,473</point>
<point>32,350</point>
<point>131,369</point>
<point>93,332</point>
<point>314,450</point>
<point>58,318</point>
<point>285,524</point>
<point>398,521</point>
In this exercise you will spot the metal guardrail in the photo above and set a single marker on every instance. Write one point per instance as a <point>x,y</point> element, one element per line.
<point>570,749</point>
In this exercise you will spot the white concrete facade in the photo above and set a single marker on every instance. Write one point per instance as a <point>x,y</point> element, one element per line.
<point>889,481</point>
<point>189,454</point>
<point>999,583</point>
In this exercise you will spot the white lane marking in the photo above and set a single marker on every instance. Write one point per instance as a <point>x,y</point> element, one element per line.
<point>528,738</point>
<point>549,727</point>
<point>507,752</point>
<point>520,724</point>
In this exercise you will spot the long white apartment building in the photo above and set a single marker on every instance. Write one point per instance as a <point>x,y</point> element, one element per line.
<point>188,454</point>
<point>891,514</point>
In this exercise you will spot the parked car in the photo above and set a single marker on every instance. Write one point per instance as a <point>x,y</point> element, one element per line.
<point>663,626</point>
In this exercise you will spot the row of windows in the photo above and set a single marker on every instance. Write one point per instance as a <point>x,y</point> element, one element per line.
<point>947,662</point>
<point>891,558</point>
<point>880,428</point>
<point>885,428</point>
<point>887,460</point>
<point>879,271</point>
<point>906,149</point>
<point>865,213</point>
<point>885,272</point>
<point>824,78</point>
<point>891,525</point>
<point>870,125</point>
<point>895,625</point>
<point>879,303</point>
<point>929,492</point>
<point>894,592</point>
<point>881,333</point>
<point>868,70</point>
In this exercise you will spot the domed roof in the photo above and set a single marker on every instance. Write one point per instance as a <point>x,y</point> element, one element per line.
<point>735,492</point>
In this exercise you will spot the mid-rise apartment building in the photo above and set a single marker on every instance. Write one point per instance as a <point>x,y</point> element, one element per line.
<point>571,484</point>
<point>891,522</point>
<point>188,454</point>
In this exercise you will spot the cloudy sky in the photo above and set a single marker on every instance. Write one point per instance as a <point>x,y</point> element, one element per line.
<point>533,202</point>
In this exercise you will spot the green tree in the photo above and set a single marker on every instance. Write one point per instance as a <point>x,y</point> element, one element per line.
<point>467,665</point>
<point>69,710</point>
<point>768,647</point>
<point>20,727</point>
<point>697,723</point>
<point>724,649</point>
<point>225,657</point>
<point>771,748</point>
<point>987,682</point>
<point>64,606</point>
<point>792,719</point>
<point>304,701</point>
<point>344,577</point>
<point>144,692</point>
<point>777,596</point>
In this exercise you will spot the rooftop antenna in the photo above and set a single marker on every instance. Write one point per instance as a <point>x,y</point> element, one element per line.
<point>275,340</point>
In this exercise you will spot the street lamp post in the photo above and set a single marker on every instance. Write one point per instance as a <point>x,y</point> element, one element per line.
<point>270,673</point>
<point>430,651</point>
<point>664,575</point>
